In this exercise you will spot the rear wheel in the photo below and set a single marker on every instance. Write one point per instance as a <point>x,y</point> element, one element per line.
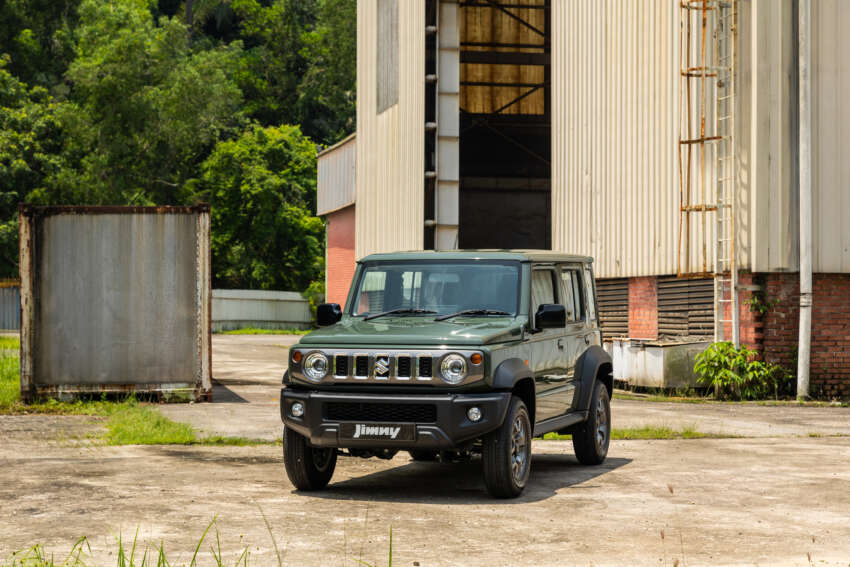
<point>506,453</point>
<point>308,468</point>
<point>591,440</point>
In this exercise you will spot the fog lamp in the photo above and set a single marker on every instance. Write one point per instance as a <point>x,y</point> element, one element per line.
<point>296,409</point>
<point>474,413</point>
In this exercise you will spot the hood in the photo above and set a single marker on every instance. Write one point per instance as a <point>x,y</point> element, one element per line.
<point>417,331</point>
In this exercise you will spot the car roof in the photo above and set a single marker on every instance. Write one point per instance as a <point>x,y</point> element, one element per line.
<point>520,255</point>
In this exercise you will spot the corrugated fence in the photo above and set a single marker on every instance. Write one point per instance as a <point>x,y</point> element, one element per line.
<point>10,305</point>
<point>247,308</point>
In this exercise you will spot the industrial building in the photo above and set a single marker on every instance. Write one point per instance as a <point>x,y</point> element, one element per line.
<point>659,137</point>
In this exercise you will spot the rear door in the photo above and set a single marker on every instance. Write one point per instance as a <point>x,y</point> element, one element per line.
<point>579,330</point>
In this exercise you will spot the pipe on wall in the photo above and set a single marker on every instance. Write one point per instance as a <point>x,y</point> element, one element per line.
<point>804,348</point>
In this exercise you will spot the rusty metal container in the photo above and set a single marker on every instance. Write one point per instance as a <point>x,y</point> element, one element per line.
<point>115,299</point>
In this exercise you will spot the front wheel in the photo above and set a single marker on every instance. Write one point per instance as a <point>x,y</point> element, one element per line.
<point>308,468</point>
<point>506,453</point>
<point>591,440</point>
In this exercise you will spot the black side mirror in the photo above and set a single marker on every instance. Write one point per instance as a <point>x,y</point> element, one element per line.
<point>550,315</point>
<point>328,314</point>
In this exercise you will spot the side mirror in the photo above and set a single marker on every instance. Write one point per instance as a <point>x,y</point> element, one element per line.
<point>550,315</point>
<point>328,314</point>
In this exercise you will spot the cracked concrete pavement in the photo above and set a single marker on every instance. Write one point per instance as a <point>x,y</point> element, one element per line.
<point>775,496</point>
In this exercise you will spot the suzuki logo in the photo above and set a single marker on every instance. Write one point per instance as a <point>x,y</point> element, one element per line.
<point>382,365</point>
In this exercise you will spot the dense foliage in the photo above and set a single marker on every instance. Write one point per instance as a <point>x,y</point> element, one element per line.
<point>176,102</point>
<point>737,374</point>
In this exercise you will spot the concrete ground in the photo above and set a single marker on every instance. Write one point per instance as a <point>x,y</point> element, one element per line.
<point>774,497</point>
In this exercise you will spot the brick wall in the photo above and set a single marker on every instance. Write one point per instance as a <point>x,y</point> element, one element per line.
<point>750,324</point>
<point>340,254</point>
<point>643,308</point>
<point>830,349</point>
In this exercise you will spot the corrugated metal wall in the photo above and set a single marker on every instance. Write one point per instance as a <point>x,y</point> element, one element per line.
<point>336,176</point>
<point>831,134</point>
<point>390,145</point>
<point>615,69</point>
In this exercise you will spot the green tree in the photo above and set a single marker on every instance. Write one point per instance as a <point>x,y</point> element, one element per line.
<point>37,35</point>
<point>326,93</point>
<point>152,107</point>
<point>32,155</point>
<point>274,61</point>
<point>262,189</point>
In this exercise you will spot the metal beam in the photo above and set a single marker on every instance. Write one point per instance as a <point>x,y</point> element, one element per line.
<point>513,16</point>
<point>504,58</point>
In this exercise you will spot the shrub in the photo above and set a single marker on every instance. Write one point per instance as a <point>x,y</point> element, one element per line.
<point>736,373</point>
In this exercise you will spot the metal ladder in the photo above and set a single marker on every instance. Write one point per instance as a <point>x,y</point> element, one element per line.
<point>707,170</point>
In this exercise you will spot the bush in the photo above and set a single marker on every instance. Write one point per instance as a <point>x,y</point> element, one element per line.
<point>736,373</point>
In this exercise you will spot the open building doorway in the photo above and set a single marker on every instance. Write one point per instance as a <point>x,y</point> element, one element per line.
<point>505,125</point>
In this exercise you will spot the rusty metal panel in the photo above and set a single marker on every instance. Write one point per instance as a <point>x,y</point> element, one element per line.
<point>336,176</point>
<point>390,149</point>
<point>115,299</point>
<point>615,111</point>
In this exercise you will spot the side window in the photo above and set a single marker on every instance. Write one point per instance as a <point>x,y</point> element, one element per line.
<point>573,286</point>
<point>543,288</point>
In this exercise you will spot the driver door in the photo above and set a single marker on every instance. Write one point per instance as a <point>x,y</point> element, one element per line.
<point>547,359</point>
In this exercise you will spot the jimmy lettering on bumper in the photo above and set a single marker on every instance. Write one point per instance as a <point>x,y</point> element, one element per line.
<point>375,431</point>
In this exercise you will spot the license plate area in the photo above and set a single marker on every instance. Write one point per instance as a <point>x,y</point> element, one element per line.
<point>377,431</point>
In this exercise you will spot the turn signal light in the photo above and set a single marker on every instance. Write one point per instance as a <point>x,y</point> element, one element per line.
<point>476,358</point>
<point>296,356</point>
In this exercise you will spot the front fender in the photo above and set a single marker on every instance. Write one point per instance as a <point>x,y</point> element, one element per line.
<point>592,363</point>
<point>509,372</point>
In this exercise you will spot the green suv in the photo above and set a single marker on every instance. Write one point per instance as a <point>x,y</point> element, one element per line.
<point>448,354</point>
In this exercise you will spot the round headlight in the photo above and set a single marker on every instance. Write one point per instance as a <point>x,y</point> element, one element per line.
<point>453,368</point>
<point>316,366</point>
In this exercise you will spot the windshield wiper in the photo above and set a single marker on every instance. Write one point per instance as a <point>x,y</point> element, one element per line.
<point>472,312</point>
<point>395,311</point>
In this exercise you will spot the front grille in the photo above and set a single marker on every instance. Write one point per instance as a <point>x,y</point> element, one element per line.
<point>390,413</point>
<point>403,370</point>
<point>425,367</point>
<point>341,365</point>
<point>361,366</point>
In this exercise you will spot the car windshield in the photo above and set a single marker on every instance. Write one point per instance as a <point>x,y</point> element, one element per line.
<point>438,288</point>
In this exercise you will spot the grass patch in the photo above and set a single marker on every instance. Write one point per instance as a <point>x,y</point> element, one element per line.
<point>645,433</point>
<point>255,331</point>
<point>134,424</point>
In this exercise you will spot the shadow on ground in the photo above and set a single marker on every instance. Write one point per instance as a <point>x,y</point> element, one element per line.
<point>462,483</point>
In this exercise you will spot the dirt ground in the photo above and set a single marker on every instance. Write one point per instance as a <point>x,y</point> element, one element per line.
<point>778,496</point>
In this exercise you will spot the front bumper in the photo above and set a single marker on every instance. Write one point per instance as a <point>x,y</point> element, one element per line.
<point>450,428</point>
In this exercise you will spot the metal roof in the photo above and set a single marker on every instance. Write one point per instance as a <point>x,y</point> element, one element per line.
<point>520,255</point>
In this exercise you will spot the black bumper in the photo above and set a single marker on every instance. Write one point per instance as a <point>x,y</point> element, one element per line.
<point>448,428</point>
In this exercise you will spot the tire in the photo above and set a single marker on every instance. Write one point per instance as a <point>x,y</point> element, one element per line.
<point>423,455</point>
<point>506,453</point>
<point>591,439</point>
<point>308,468</point>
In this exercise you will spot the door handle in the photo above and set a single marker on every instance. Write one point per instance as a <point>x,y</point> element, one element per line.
<point>587,339</point>
<point>561,344</point>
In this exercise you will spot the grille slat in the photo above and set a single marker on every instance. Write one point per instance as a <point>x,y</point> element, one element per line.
<point>361,366</point>
<point>376,412</point>
<point>403,368</point>
<point>425,370</point>
<point>341,361</point>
